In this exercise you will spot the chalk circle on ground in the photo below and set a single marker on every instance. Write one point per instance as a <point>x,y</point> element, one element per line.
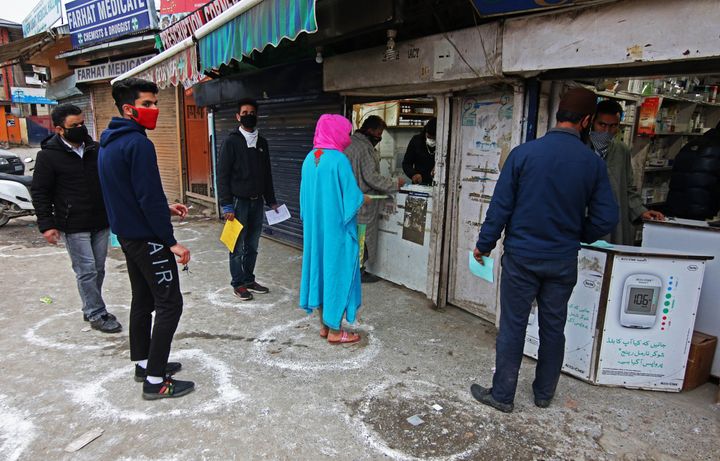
<point>16,431</point>
<point>224,297</point>
<point>101,396</point>
<point>297,346</point>
<point>33,336</point>
<point>380,420</point>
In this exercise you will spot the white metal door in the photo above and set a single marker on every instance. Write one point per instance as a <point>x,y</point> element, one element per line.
<point>483,137</point>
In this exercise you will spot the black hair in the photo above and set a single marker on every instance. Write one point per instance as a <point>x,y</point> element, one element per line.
<point>431,127</point>
<point>128,91</point>
<point>609,107</point>
<point>247,102</point>
<point>373,122</point>
<point>61,112</point>
<point>569,116</point>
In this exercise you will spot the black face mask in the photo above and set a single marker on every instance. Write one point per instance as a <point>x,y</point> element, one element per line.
<point>374,140</point>
<point>76,135</point>
<point>248,121</point>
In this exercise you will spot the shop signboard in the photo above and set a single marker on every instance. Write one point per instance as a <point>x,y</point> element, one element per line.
<point>180,6</point>
<point>108,70</point>
<point>501,7</point>
<point>184,28</point>
<point>25,95</point>
<point>42,17</point>
<point>649,322</point>
<point>93,21</point>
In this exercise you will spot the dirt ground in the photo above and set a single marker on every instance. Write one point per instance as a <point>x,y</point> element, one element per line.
<point>269,388</point>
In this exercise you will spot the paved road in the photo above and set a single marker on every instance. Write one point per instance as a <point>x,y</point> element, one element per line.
<point>269,388</point>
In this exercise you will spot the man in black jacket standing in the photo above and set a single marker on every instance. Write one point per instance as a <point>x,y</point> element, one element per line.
<point>244,180</point>
<point>68,202</point>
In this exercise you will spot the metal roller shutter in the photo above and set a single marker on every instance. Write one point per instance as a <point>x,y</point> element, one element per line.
<point>164,136</point>
<point>167,144</point>
<point>289,127</point>
<point>84,102</point>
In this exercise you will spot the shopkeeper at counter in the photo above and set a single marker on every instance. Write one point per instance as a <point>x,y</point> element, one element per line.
<point>419,161</point>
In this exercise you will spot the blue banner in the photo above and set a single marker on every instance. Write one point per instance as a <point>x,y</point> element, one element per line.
<point>94,21</point>
<point>23,95</point>
<point>495,7</point>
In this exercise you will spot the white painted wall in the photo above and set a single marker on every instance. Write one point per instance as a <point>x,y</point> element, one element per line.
<point>468,54</point>
<point>627,32</point>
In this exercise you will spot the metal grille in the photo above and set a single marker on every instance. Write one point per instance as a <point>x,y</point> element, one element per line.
<point>289,127</point>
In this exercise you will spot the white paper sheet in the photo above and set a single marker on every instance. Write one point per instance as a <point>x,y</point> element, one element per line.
<point>282,214</point>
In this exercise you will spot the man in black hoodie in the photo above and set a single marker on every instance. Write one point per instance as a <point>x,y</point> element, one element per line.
<point>68,203</point>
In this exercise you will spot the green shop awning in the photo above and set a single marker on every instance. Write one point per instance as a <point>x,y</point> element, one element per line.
<point>265,24</point>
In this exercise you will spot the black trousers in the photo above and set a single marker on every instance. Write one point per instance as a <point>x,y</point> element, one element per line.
<point>155,287</point>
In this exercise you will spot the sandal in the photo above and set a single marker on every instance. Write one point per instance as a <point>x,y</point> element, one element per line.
<point>324,331</point>
<point>346,338</point>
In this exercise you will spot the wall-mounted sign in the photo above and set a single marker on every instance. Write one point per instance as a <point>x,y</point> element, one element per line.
<point>184,28</point>
<point>108,70</point>
<point>25,95</point>
<point>42,17</point>
<point>180,6</point>
<point>93,21</point>
<point>498,7</point>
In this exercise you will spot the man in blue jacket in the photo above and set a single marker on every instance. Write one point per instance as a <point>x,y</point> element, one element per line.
<point>139,214</point>
<point>552,194</point>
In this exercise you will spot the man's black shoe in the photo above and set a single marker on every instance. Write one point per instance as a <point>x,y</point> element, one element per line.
<point>170,369</point>
<point>243,293</point>
<point>542,403</point>
<point>86,319</point>
<point>484,396</point>
<point>257,288</point>
<point>106,324</point>
<point>366,277</point>
<point>167,389</point>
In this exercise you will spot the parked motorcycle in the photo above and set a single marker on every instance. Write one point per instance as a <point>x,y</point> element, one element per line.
<point>15,200</point>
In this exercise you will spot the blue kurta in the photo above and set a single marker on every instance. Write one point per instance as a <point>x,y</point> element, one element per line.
<point>329,202</point>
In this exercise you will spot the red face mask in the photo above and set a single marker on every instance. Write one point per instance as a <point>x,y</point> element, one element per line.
<point>145,116</point>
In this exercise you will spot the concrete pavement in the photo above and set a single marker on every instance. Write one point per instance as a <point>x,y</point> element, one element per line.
<point>269,388</point>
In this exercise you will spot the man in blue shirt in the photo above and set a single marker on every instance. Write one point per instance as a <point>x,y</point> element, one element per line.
<point>552,194</point>
<point>139,214</point>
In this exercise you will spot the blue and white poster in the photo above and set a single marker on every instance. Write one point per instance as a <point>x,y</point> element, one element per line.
<point>94,21</point>
<point>26,95</point>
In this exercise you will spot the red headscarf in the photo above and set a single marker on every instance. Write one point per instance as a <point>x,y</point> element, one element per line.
<point>332,132</point>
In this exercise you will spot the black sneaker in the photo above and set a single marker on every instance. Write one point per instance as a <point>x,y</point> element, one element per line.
<point>106,324</point>
<point>167,389</point>
<point>86,319</point>
<point>243,294</point>
<point>542,403</point>
<point>484,396</point>
<point>257,288</point>
<point>366,277</point>
<point>170,369</point>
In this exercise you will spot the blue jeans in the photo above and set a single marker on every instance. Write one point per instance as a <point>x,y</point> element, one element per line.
<point>88,251</point>
<point>242,261</point>
<point>551,283</point>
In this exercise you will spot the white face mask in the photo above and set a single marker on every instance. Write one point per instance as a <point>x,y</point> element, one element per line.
<point>430,143</point>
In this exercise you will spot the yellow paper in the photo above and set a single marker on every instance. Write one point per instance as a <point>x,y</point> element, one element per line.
<point>230,233</point>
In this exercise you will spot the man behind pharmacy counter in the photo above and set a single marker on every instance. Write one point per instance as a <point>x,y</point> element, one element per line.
<point>419,161</point>
<point>616,155</point>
